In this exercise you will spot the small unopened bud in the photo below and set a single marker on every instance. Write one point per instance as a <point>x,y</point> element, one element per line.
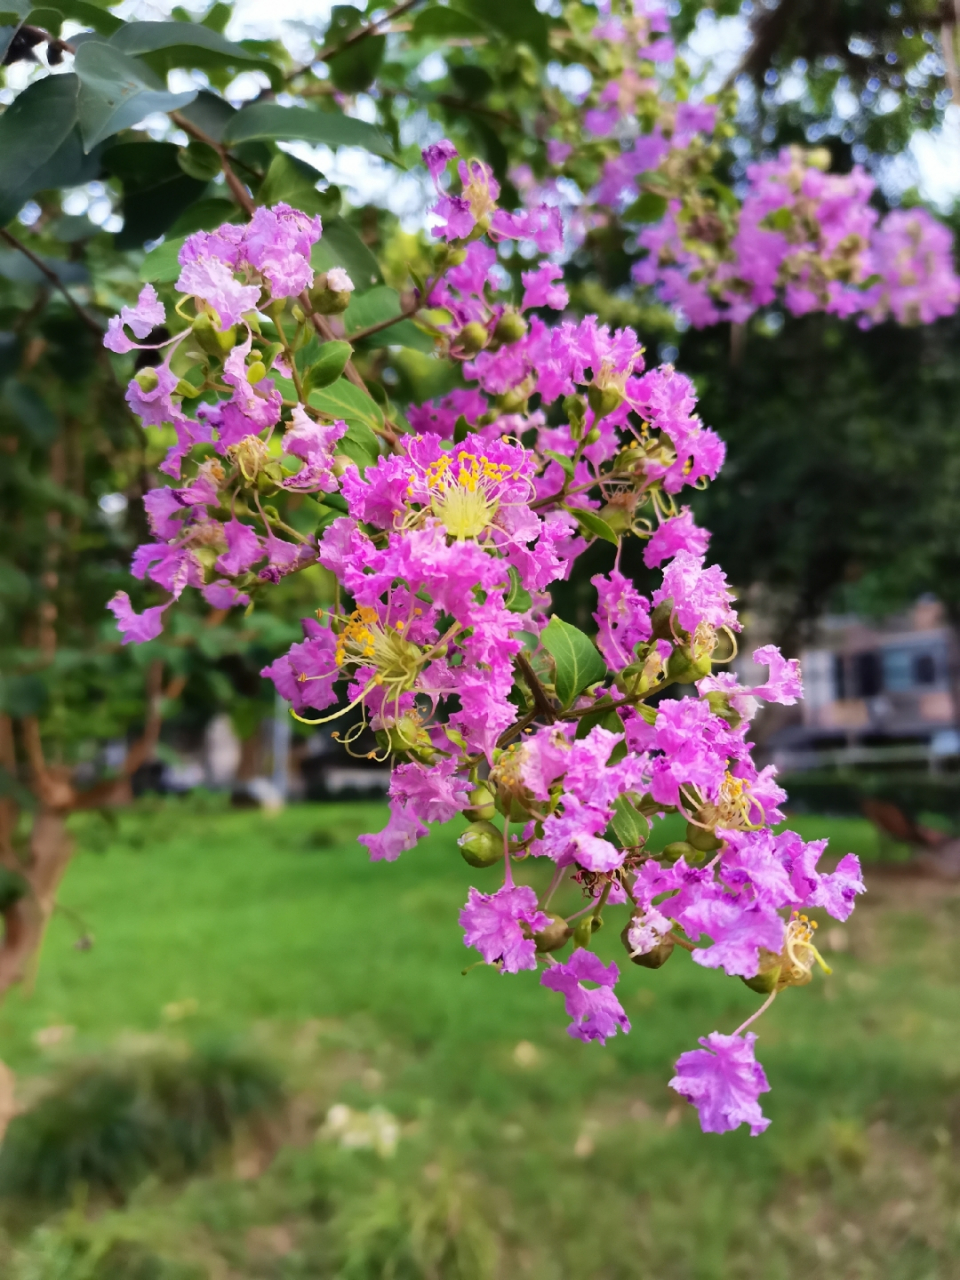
<point>210,339</point>
<point>330,294</point>
<point>555,935</point>
<point>342,464</point>
<point>592,436</point>
<point>768,977</point>
<point>511,327</point>
<point>701,838</point>
<point>586,928</point>
<point>604,401</point>
<point>147,380</point>
<point>473,337</point>
<point>482,804</point>
<point>256,372</point>
<point>481,844</point>
<point>187,389</point>
<point>678,849</point>
<point>617,516</point>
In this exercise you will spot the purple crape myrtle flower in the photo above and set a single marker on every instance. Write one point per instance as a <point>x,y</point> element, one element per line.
<point>698,594</point>
<point>401,833</point>
<point>493,923</point>
<point>142,319</point>
<point>136,628</point>
<point>723,1081</point>
<point>673,536</point>
<point>596,1011</point>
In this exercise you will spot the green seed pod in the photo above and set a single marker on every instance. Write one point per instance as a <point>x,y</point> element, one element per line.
<point>654,959</point>
<point>769,976</point>
<point>702,839</point>
<point>511,327</point>
<point>482,804</point>
<point>555,935</point>
<point>481,844</point>
<point>678,849</point>
<point>473,337</point>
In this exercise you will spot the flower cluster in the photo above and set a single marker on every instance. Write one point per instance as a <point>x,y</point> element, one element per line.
<point>559,750</point>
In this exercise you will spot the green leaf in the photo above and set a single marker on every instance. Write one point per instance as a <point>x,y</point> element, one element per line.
<point>165,45</point>
<point>330,362</point>
<point>649,207</point>
<point>32,412</point>
<point>780,219</point>
<point>295,182</point>
<point>445,24</point>
<point>23,696</point>
<point>117,91</point>
<point>604,717</point>
<point>340,246</point>
<point>205,215</point>
<point>160,266</point>
<point>562,459</point>
<point>370,308</point>
<point>356,68</point>
<point>578,662</point>
<point>593,523</point>
<point>273,123</point>
<point>343,400</point>
<point>632,828</point>
<point>209,113</point>
<point>32,129</point>
<point>518,598</point>
<point>519,20</point>
<point>91,15</point>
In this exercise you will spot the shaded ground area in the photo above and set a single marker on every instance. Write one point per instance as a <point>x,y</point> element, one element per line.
<point>518,1152</point>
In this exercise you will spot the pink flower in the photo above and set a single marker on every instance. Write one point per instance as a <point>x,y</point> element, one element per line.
<point>136,628</point>
<point>596,1012</point>
<point>401,833</point>
<point>723,1081</point>
<point>305,675</point>
<point>783,684</point>
<point>539,289</point>
<point>214,283</point>
<point>437,156</point>
<point>435,793</point>
<point>739,930</point>
<point>244,548</point>
<point>698,594</point>
<point>142,319</point>
<point>678,534</point>
<point>623,618</point>
<point>492,923</point>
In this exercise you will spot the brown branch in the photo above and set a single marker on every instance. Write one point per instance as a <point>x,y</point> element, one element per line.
<point>51,275</point>
<point>326,54</point>
<point>240,192</point>
<point>540,700</point>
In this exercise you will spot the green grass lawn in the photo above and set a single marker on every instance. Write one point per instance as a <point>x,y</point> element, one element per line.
<point>522,1152</point>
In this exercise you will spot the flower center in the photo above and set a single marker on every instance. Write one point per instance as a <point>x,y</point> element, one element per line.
<point>363,642</point>
<point>462,492</point>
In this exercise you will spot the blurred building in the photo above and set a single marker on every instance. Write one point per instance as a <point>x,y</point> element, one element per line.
<point>875,694</point>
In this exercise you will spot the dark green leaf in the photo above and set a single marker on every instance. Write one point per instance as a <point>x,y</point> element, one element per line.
<point>31,411</point>
<point>291,124</point>
<point>648,208</point>
<point>151,213</point>
<point>593,524</point>
<point>331,360</point>
<point>605,718</point>
<point>632,828</point>
<point>561,459</point>
<point>165,45</point>
<point>340,246</point>
<point>14,266</point>
<point>519,20</point>
<point>91,15</point>
<point>444,24</point>
<point>473,82</point>
<point>117,91</point>
<point>199,160</point>
<point>205,215</point>
<point>32,129</point>
<point>209,113</point>
<point>295,182</point>
<point>576,657</point>
<point>355,69</point>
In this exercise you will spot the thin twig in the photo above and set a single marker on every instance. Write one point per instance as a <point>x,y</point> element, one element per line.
<point>540,700</point>
<point>54,279</point>
<point>325,55</point>
<point>240,192</point>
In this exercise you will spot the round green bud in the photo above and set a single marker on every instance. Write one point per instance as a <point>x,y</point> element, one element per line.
<point>210,339</point>
<point>555,935</point>
<point>768,978</point>
<point>678,849</point>
<point>701,838</point>
<point>147,380</point>
<point>473,337</point>
<point>481,844</point>
<point>604,401</point>
<point>482,803</point>
<point>256,372</point>
<point>511,327</point>
<point>615,513</point>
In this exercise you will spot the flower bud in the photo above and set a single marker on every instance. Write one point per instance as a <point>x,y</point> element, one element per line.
<point>407,735</point>
<point>656,958</point>
<point>451,257</point>
<point>604,401</point>
<point>473,337</point>
<point>701,838</point>
<point>341,464</point>
<point>481,844</point>
<point>482,804</point>
<point>210,339</point>
<point>187,389</point>
<point>587,926</point>
<point>256,372</point>
<point>329,297</point>
<point>147,380</point>
<point>768,977</point>
<point>592,436</point>
<point>511,327</point>
<point>678,849</point>
<point>555,935</point>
